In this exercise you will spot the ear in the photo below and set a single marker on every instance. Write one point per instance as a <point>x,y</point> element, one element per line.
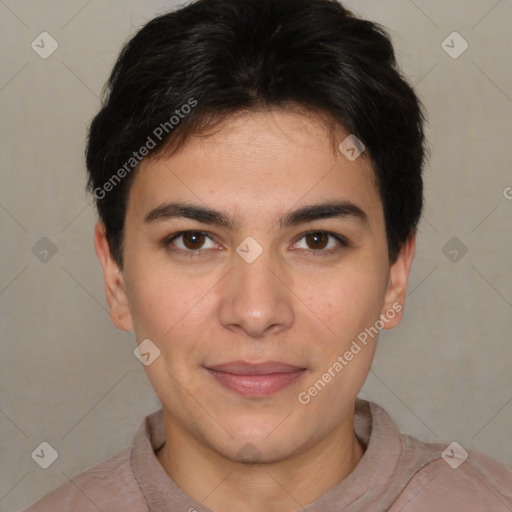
<point>394,301</point>
<point>115,288</point>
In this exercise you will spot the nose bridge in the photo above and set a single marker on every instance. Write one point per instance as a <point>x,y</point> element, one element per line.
<point>255,300</point>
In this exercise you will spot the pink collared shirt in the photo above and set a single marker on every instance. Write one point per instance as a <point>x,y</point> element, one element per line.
<point>398,473</point>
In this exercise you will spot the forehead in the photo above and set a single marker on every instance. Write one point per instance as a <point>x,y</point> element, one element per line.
<point>257,163</point>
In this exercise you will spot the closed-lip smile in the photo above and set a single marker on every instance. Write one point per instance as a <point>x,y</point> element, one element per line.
<point>255,380</point>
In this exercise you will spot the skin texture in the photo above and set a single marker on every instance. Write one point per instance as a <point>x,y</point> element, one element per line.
<point>295,304</point>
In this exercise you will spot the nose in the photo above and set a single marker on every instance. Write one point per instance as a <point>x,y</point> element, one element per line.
<point>255,299</point>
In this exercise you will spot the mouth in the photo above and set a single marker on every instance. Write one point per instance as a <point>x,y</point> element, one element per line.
<point>255,380</point>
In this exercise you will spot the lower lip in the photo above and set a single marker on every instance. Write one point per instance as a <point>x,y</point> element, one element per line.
<point>256,386</point>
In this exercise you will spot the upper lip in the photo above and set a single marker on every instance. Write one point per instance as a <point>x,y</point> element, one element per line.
<point>245,368</point>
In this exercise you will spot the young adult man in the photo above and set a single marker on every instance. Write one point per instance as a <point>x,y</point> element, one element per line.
<point>257,171</point>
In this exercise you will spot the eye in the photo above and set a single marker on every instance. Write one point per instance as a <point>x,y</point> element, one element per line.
<point>321,242</point>
<point>190,242</point>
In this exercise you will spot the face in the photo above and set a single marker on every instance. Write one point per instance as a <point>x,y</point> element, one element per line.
<point>256,260</point>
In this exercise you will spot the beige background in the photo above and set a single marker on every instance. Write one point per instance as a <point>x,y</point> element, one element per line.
<point>69,378</point>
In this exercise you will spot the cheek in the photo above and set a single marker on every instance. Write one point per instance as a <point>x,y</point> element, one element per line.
<point>347,298</point>
<point>149,305</point>
<point>154,310</point>
<point>161,299</point>
<point>169,312</point>
<point>349,305</point>
<point>174,312</point>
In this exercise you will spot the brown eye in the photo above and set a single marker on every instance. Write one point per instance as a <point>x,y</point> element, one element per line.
<point>321,243</point>
<point>193,243</point>
<point>193,240</point>
<point>317,240</point>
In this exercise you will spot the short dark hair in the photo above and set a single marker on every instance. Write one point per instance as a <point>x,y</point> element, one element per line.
<point>188,70</point>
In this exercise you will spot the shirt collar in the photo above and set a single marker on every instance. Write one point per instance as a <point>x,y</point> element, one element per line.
<point>373,427</point>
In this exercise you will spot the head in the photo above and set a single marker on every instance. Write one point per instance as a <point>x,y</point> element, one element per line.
<point>224,119</point>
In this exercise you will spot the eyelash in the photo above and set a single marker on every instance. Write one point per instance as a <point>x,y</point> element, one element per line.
<point>343,243</point>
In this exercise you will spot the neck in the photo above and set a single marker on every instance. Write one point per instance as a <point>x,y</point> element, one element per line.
<point>288,485</point>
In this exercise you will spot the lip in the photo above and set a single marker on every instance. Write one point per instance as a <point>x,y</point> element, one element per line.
<point>255,380</point>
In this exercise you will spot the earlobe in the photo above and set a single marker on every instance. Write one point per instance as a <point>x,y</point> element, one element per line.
<point>394,301</point>
<point>115,288</point>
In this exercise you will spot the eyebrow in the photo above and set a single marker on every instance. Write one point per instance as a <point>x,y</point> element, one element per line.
<point>304,214</point>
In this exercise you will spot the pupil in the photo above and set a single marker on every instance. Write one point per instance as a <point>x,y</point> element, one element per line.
<point>317,240</point>
<point>193,240</point>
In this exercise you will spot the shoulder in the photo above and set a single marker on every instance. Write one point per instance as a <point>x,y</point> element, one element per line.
<point>110,485</point>
<point>450,478</point>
